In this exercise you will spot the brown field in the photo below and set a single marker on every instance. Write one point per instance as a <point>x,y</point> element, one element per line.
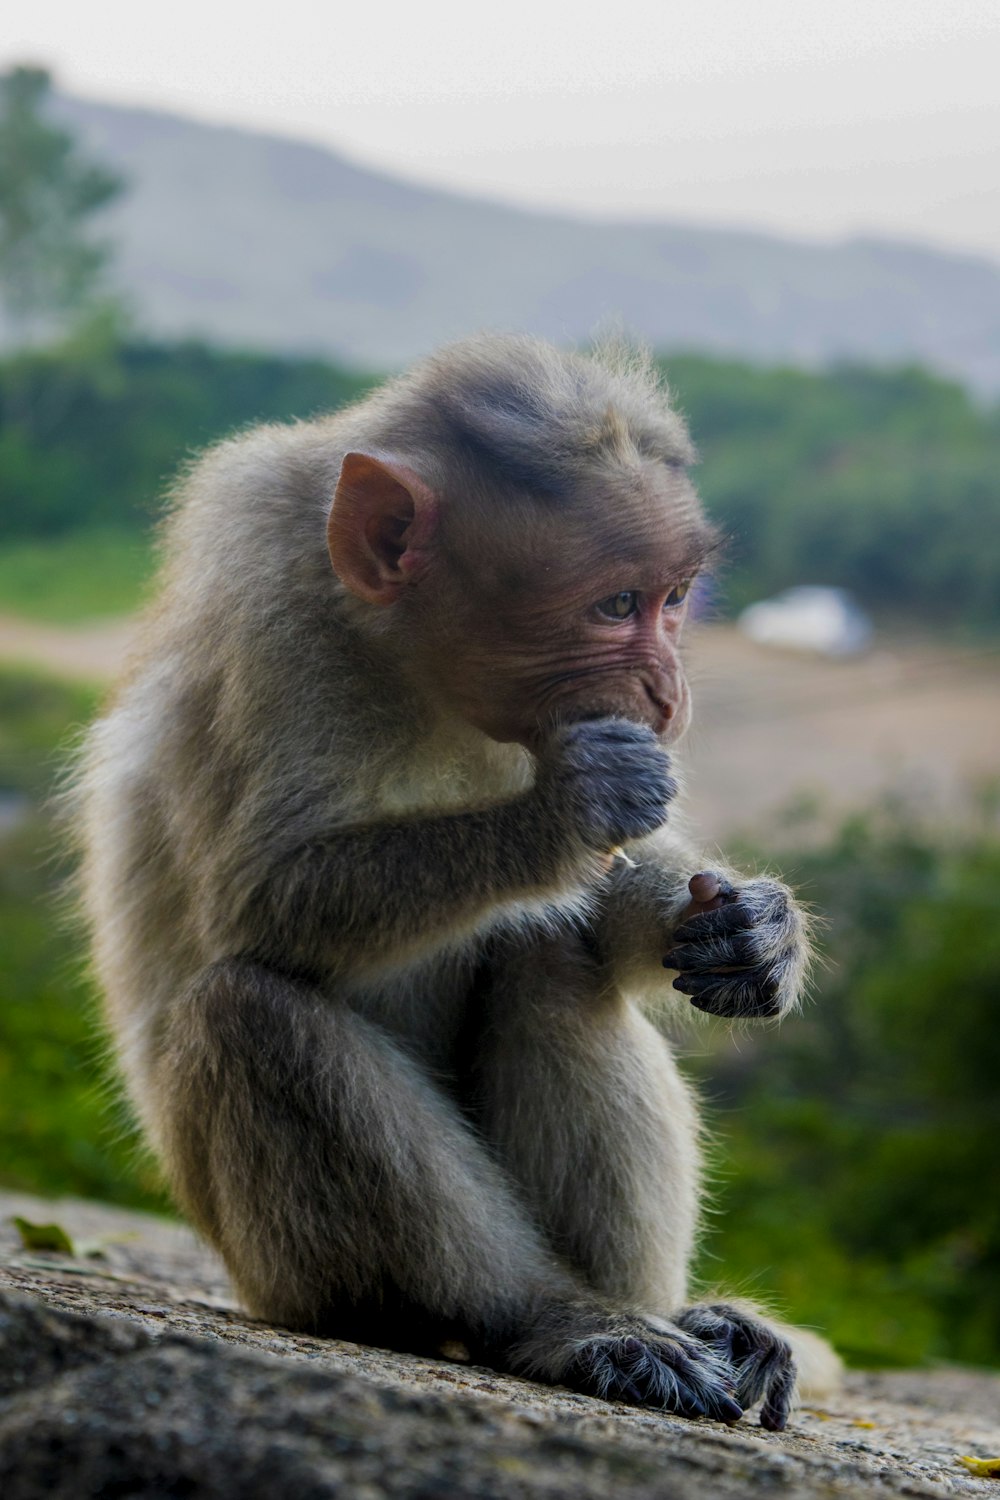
<point>781,743</point>
<point>778,731</point>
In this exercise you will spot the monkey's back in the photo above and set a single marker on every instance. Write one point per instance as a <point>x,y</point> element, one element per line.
<point>238,729</point>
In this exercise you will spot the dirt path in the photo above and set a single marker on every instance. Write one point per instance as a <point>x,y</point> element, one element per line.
<point>92,653</point>
<point>771,728</point>
<point>775,728</point>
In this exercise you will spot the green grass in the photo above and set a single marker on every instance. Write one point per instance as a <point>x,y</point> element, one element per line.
<point>38,716</point>
<point>87,575</point>
<point>61,1130</point>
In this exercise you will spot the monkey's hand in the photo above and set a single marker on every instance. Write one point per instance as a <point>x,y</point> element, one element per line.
<point>742,951</point>
<point>606,780</point>
<point>761,1359</point>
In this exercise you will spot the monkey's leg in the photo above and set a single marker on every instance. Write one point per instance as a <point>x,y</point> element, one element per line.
<point>330,1173</point>
<point>347,1194</point>
<point>589,1114</point>
<point>585,1105</point>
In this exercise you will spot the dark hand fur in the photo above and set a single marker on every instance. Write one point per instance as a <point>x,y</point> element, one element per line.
<point>745,959</point>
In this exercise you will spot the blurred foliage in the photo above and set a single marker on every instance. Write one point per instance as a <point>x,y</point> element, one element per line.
<point>84,575</point>
<point>37,715</point>
<point>885,482</point>
<point>860,1179</point>
<point>856,1169</point>
<point>60,1127</point>
<point>51,266</point>
<point>882,481</point>
<point>85,445</point>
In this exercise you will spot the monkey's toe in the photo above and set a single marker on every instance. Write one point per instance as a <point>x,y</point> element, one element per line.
<point>762,1360</point>
<point>685,1378</point>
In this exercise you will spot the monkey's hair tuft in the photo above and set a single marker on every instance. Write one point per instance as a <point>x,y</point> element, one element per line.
<point>538,417</point>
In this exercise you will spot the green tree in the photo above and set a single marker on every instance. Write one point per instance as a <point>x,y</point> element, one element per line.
<point>51,266</point>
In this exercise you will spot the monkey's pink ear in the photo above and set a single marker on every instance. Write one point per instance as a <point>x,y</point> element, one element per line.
<point>380,527</point>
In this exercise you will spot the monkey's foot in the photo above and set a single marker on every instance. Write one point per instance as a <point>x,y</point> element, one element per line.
<point>668,1370</point>
<point>761,1359</point>
<point>745,958</point>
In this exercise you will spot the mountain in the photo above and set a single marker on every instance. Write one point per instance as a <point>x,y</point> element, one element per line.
<point>253,240</point>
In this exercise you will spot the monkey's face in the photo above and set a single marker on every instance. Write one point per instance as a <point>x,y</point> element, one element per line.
<point>560,615</point>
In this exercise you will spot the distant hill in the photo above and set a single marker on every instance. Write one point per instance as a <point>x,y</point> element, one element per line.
<point>248,239</point>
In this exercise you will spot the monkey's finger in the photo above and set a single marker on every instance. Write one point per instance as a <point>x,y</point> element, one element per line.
<point>778,1404</point>
<point>687,1378</point>
<point>768,1372</point>
<point>760,904</point>
<point>707,886</point>
<point>763,1359</point>
<point>702,1389</point>
<point>702,985</point>
<point>749,992</point>
<point>700,908</point>
<point>738,950</point>
<point>612,728</point>
<point>733,916</point>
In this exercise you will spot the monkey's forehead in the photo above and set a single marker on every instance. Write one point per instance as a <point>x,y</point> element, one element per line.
<point>639,538</point>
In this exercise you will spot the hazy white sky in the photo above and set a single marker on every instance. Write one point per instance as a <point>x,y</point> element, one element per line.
<point>809,117</point>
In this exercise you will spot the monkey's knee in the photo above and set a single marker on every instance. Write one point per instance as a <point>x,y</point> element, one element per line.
<point>254,1136</point>
<point>200,1072</point>
<point>226,1000</point>
<point>549,974</point>
<point>343,1188</point>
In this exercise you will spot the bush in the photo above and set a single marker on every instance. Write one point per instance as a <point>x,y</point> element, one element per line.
<point>880,481</point>
<point>61,1130</point>
<point>860,1182</point>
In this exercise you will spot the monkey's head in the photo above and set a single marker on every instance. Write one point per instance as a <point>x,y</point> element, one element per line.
<point>533,538</point>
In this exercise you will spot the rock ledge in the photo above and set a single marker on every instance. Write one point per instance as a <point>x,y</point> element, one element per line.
<point>136,1374</point>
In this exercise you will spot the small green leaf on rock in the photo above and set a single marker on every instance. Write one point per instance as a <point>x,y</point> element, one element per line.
<point>43,1236</point>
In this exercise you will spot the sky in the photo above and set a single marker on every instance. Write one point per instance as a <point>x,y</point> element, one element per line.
<point>801,117</point>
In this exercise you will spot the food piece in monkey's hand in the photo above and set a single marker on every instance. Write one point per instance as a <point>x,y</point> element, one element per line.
<point>708,892</point>
<point>739,951</point>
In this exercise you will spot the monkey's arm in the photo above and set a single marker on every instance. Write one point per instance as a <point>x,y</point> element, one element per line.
<point>743,953</point>
<point>367,897</point>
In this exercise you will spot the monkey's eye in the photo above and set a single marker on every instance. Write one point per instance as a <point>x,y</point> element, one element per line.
<point>677,595</point>
<point>620,606</point>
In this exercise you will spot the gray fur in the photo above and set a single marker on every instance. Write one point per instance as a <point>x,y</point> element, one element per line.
<point>374,992</point>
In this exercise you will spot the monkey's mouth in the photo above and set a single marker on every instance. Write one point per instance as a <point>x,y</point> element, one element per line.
<point>666,719</point>
<point>634,698</point>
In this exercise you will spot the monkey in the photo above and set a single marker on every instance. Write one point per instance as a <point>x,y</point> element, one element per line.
<point>386,885</point>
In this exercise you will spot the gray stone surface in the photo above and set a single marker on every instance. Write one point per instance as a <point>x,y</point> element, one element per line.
<point>135,1373</point>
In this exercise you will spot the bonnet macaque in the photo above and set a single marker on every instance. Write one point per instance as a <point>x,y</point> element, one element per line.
<point>382,874</point>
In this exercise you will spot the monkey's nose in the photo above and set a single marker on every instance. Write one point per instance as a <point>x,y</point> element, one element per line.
<point>666,706</point>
